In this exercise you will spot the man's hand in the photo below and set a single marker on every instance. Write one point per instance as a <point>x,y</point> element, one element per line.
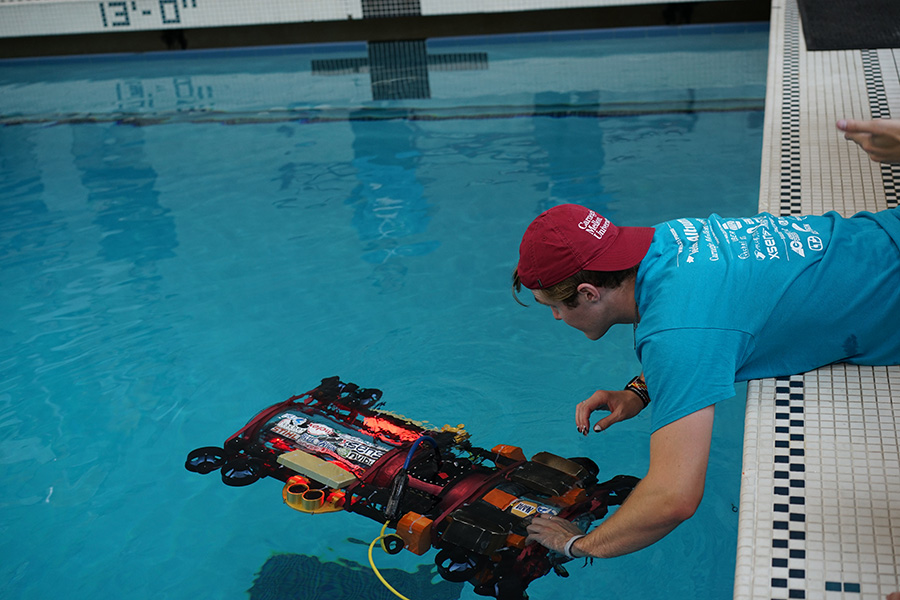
<point>879,138</point>
<point>621,405</point>
<point>669,494</point>
<point>552,532</point>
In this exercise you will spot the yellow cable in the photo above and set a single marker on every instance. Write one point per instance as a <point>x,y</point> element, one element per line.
<point>375,569</point>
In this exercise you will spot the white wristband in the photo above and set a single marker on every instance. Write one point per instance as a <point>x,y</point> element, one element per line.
<point>567,550</point>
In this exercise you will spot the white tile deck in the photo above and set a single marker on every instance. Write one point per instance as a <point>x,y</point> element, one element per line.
<point>820,496</point>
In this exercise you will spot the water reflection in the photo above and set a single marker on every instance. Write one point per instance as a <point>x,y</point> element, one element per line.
<point>120,183</point>
<point>390,210</point>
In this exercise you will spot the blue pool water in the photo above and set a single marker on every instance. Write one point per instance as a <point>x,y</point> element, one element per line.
<point>186,239</point>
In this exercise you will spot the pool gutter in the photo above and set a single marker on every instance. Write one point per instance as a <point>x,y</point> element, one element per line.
<point>820,492</point>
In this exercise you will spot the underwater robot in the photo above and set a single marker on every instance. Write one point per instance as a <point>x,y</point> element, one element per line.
<point>334,449</point>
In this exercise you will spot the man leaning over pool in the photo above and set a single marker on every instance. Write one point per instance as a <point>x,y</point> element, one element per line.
<point>713,301</point>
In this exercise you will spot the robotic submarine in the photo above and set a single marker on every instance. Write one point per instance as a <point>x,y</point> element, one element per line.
<point>334,449</point>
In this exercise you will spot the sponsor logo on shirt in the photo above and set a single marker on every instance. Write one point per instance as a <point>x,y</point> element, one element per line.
<point>763,238</point>
<point>770,243</point>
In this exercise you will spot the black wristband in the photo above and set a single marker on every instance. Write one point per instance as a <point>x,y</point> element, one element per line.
<point>639,387</point>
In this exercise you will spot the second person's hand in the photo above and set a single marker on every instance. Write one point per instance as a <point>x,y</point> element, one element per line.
<point>879,138</point>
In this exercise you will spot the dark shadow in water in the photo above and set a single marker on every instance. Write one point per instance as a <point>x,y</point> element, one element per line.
<point>301,577</point>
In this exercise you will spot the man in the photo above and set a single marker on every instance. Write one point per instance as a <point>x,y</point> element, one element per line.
<point>712,301</point>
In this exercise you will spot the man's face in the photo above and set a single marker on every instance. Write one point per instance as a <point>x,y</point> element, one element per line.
<point>589,316</point>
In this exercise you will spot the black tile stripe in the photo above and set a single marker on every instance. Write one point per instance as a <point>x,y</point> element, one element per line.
<point>788,574</point>
<point>789,506</point>
<point>399,70</point>
<point>465,61</point>
<point>374,9</point>
<point>790,114</point>
<point>878,102</point>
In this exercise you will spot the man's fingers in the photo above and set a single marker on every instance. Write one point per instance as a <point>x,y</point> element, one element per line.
<point>605,423</point>
<point>583,412</point>
<point>611,419</point>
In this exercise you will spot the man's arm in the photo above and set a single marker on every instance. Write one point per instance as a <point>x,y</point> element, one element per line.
<point>668,495</point>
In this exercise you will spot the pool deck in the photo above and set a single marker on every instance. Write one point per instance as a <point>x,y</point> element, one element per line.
<point>820,492</point>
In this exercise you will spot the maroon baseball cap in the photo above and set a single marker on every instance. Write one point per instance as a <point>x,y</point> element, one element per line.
<point>570,238</point>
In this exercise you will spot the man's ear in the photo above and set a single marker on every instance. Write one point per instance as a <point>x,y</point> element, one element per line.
<point>589,292</point>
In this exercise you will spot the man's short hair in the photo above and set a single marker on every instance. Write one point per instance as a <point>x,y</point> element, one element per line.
<point>566,291</point>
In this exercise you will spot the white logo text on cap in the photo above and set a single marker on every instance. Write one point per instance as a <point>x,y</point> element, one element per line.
<point>594,224</point>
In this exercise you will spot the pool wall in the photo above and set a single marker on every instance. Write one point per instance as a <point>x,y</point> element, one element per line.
<point>50,27</point>
<point>331,81</point>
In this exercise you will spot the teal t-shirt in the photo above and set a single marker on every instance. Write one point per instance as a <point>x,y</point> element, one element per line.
<point>731,299</point>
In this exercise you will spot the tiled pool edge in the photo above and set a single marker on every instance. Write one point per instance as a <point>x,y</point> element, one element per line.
<point>820,491</point>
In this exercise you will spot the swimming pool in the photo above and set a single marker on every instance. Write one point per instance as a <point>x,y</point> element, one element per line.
<point>185,239</point>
